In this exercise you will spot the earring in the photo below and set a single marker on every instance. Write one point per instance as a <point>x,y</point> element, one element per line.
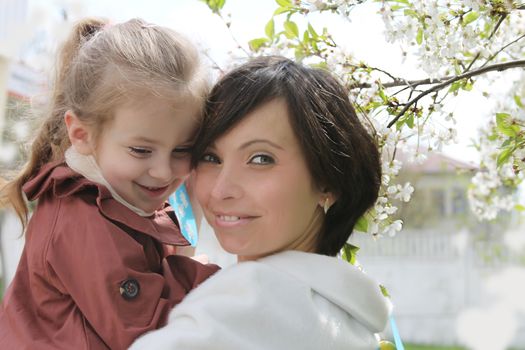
<point>326,205</point>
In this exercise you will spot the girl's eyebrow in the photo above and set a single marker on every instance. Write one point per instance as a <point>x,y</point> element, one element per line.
<point>187,144</point>
<point>144,139</point>
<point>251,142</point>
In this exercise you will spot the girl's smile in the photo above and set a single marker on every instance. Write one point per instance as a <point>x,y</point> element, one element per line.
<point>143,152</point>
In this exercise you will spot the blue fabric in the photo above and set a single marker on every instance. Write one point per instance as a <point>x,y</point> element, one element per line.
<point>180,201</point>
<point>395,333</point>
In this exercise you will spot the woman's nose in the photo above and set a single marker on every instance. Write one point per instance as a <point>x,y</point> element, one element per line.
<point>227,184</point>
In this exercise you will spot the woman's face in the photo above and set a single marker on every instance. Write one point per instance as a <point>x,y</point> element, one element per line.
<point>255,187</point>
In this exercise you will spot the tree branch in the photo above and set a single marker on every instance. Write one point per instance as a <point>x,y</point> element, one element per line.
<point>413,83</point>
<point>402,82</point>
<point>503,48</point>
<point>496,27</point>
<point>372,68</point>
<point>494,67</point>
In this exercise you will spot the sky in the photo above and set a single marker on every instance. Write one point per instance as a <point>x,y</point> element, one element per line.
<point>362,36</point>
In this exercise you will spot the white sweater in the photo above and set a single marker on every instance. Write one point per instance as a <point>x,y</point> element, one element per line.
<point>290,300</point>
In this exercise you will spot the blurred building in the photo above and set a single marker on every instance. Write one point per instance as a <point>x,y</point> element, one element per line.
<point>436,269</point>
<point>13,88</point>
<point>13,14</point>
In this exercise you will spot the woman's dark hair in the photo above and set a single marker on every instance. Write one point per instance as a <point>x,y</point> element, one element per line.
<point>341,155</point>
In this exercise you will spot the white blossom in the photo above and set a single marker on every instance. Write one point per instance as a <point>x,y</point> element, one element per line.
<point>404,192</point>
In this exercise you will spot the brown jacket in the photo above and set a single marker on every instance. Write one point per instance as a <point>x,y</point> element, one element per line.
<point>93,274</point>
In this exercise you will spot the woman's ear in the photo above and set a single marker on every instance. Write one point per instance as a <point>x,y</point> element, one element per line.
<point>326,201</point>
<point>78,133</point>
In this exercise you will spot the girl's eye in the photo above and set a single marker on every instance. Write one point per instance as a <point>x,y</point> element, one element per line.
<point>139,151</point>
<point>181,152</point>
<point>210,158</point>
<point>262,159</point>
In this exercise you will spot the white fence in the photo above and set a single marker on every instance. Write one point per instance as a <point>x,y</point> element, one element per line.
<point>438,279</point>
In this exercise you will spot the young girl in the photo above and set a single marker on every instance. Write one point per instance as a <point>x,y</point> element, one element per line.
<point>284,169</point>
<point>94,273</point>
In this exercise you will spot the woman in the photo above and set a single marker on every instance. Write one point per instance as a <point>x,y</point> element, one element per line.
<point>284,169</point>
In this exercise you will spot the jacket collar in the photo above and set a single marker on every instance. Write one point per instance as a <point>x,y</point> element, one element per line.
<point>62,181</point>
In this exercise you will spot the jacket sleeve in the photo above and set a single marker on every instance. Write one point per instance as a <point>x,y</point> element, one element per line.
<point>121,286</point>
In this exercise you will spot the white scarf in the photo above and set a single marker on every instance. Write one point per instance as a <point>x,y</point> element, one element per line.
<point>87,166</point>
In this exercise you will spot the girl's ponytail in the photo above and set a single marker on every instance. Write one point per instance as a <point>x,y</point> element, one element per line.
<point>51,140</point>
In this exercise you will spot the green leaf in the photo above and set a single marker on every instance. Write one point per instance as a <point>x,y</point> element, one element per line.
<point>519,207</point>
<point>455,86</point>
<point>215,5</point>
<point>256,44</point>
<point>270,29</point>
<point>384,291</point>
<point>299,54</point>
<point>517,99</point>
<point>467,86</point>
<point>291,30</point>
<point>361,224</point>
<point>504,126</point>
<point>349,253</point>
<point>284,3</point>
<point>400,123</point>
<point>419,36</point>
<point>506,143</point>
<point>411,13</point>
<point>410,121</point>
<point>312,31</point>
<point>306,38</point>
<point>502,119</point>
<point>470,17</point>
<point>504,156</point>
<point>320,65</point>
<point>492,137</point>
<point>313,43</point>
<point>281,10</point>
<point>383,96</point>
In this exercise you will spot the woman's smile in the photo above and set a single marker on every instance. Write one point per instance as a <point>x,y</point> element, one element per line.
<point>232,220</point>
<point>255,187</point>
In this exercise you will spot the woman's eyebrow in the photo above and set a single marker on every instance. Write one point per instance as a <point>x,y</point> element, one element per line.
<point>251,142</point>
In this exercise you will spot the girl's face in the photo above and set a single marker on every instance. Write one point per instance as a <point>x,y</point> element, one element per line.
<point>143,151</point>
<point>255,187</point>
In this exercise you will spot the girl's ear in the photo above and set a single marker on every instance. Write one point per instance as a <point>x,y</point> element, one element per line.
<point>78,133</point>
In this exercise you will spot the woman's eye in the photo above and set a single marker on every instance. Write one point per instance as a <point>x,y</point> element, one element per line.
<point>262,159</point>
<point>210,158</point>
<point>139,151</point>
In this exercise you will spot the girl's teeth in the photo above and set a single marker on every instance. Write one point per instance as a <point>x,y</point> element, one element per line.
<point>229,218</point>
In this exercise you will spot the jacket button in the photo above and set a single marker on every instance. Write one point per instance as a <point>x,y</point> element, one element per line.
<point>129,289</point>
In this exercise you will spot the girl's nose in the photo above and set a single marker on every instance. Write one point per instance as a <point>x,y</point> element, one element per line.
<point>169,169</point>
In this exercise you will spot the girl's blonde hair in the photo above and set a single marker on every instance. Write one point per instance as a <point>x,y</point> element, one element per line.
<point>98,68</point>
